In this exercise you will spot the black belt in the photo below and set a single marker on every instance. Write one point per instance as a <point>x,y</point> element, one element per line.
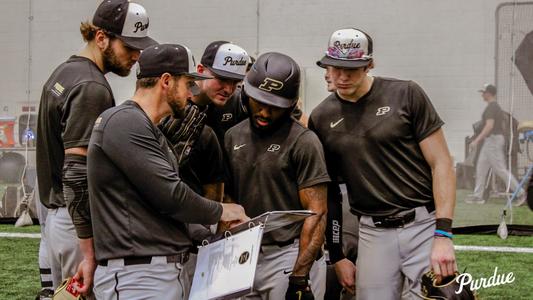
<point>181,258</point>
<point>394,221</point>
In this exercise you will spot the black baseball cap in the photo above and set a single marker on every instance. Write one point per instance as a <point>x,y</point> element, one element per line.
<point>126,20</point>
<point>167,58</point>
<point>226,60</point>
<point>348,48</point>
<point>488,88</point>
<point>274,79</point>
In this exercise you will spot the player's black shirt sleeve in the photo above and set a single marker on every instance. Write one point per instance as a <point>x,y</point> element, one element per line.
<point>334,217</point>
<point>424,117</point>
<point>85,103</point>
<point>308,159</point>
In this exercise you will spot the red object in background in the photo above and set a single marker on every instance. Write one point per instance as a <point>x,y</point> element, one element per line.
<point>7,137</point>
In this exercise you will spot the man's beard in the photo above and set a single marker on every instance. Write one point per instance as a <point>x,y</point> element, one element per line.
<point>112,63</point>
<point>274,124</point>
<point>177,111</point>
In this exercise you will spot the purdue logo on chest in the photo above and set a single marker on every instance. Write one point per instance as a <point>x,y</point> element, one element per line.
<point>273,148</point>
<point>382,110</point>
<point>226,117</point>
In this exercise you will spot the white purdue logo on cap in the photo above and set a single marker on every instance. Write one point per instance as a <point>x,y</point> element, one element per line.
<point>231,58</point>
<point>136,23</point>
<point>349,44</point>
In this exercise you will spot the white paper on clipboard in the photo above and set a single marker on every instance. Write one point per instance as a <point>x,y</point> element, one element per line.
<point>226,268</point>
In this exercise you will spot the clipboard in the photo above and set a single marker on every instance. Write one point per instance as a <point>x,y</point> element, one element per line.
<point>271,220</point>
<point>225,269</point>
<point>226,263</point>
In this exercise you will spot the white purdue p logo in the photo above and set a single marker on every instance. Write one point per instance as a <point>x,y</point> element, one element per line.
<point>273,148</point>
<point>382,110</point>
<point>270,84</point>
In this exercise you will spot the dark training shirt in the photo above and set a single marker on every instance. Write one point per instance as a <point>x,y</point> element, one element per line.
<point>373,145</point>
<point>267,172</point>
<point>73,97</point>
<point>493,111</point>
<point>138,202</point>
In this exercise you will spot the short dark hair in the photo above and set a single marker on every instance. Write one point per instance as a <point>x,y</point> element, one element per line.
<point>150,82</point>
<point>146,83</point>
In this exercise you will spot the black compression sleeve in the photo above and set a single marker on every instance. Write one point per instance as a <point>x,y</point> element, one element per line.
<point>334,223</point>
<point>76,194</point>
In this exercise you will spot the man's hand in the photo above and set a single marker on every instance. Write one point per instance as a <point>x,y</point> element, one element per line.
<point>346,271</point>
<point>85,276</point>
<point>233,214</point>
<point>473,145</point>
<point>443,258</point>
<point>299,289</point>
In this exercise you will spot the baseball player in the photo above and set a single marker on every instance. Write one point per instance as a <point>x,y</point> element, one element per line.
<point>492,153</point>
<point>278,164</point>
<point>383,138</point>
<point>227,64</point>
<point>138,201</point>
<point>350,232</point>
<point>72,98</point>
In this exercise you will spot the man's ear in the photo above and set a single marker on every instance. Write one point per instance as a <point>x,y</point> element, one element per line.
<point>370,66</point>
<point>102,40</point>
<point>165,81</point>
<point>200,68</point>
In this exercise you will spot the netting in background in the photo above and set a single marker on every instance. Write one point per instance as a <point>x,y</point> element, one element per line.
<point>514,21</point>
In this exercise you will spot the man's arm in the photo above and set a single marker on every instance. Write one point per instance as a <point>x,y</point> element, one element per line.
<point>79,211</point>
<point>489,125</point>
<point>437,155</point>
<point>312,234</point>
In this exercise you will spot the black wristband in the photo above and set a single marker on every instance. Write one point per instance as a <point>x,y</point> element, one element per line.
<point>444,224</point>
<point>299,280</point>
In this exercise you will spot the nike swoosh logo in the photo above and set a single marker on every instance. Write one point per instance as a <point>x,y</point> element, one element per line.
<point>238,147</point>
<point>333,125</point>
<point>287,272</point>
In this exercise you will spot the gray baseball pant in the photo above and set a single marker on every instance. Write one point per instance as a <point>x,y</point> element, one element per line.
<point>157,280</point>
<point>492,156</point>
<point>274,267</point>
<point>388,258</point>
<point>44,262</point>
<point>64,252</point>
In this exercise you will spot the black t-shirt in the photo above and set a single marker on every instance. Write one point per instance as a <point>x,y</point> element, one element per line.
<point>220,119</point>
<point>493,111</point>
<point>138,202</point>
<point>268,171</point>
<point>373,145</point>
<point>73,97</point>
<point>205,164</point>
